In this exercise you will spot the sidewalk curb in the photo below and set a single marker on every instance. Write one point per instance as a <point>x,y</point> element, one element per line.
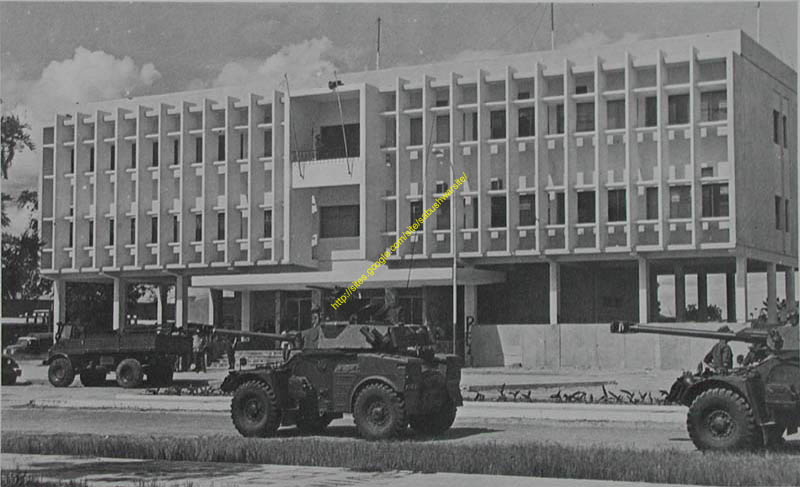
<point>470,410</point>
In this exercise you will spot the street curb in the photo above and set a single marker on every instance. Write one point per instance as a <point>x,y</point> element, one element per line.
<point>538,385</point>
<point>470,410</point>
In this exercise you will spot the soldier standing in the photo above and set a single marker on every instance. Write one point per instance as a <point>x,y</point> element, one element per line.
<point>721,356</point>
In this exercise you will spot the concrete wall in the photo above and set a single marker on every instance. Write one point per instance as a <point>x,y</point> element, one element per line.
<point>588,346</point>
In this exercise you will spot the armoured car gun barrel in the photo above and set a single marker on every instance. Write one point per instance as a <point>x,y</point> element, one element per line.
<point>769,337</point>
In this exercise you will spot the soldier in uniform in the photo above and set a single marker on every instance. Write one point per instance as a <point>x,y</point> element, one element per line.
<point>721,356</point>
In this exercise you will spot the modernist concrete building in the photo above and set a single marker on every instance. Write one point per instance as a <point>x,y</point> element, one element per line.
<point>591,172</point>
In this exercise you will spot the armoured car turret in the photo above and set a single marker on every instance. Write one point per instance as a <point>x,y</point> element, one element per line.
<point>748,406</point>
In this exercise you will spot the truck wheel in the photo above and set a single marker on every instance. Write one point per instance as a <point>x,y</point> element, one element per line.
<point>254,410</point>
<point>315,425</point>
<point>61,373</point>
<point>379,412</point>
<point>129,373</point>
<point>437,422</point>
<point>721,419</point>
<point>93,377</point>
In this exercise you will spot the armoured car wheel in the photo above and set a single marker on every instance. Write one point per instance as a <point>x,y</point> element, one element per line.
<point>93,377</point>
<point>721,419</point>
<point>129,373</point>
<point>254,410</point>
<point>379,412</point>
<point>437,422</point>
<point>61,373</point>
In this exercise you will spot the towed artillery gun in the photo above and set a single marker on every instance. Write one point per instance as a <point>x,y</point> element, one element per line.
<point>749,406</point>
<point>387,376</point>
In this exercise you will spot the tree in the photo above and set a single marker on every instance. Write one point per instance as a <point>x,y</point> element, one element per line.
<point>21,278</point>
<point>15,139</point>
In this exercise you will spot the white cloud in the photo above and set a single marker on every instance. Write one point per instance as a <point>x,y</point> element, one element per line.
<point>598,38</point>
<point>87,76</point>
<point>306,63</point>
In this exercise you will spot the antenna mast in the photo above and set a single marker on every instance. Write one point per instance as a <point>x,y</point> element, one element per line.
<point>758,21</point>
<point>552,28</point>
<point>378,52</point>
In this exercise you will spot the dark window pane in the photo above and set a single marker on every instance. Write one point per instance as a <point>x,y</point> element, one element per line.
<point>415,211</point>
<point>268,223</point>
<point>527,210</point>
<point>220,226</point>
<point>678,109</point>
<point>155,154</point>
<point>560,119</point>
<point>91,159</point>
<point>416,131</point>
<point>498,212</point>
<point>198,228</point>
<point>175,151</point>
<point>714,106</point>
<point>526,122</point>
<point>198,149</point>
<point>585,121</point>
<point>715,200</point>
<point>650,111</point>
<point>133,154</point>
<point>443,216</point>
<point>133,230</point>
<point>586,207</point>
<point>221,148</point>
<point>615,114</point>
<point>154,230</point>
<point>268,143</point>
<point>111,232</point>
<point>91,234</point>
<point>617,206</point>
<point>778,206</point>
<point>443,129</point>
<point>175,228</point>
<point>652,203</point>
<point>497,121</point>
<point>72,160</point>
<point>339,221</point>
<point>112,159</point>
<point>680,204</point>
<point>775,126</point>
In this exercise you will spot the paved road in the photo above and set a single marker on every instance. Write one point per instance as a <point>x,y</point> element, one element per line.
<point>473,430</point>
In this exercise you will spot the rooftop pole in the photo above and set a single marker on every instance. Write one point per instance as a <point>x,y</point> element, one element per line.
<point>378,52</point>
<point>552,28</point>
<point>758,22</point>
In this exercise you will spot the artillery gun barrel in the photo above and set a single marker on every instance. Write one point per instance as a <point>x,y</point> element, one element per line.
<point>748,335</point>
<point>255,334</point>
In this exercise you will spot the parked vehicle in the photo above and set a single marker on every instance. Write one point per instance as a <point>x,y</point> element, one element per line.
<point>387,376</point>
<point>746,407</point>
<point>134,354</point>
<point>10,371</point>
<point>29,345</point>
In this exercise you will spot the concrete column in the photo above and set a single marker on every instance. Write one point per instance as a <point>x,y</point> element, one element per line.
<point>702,295</point>
<point>247,310</point>
<point>120,311</point>
<point>555,291</point>
<point>470,320</point>
<point>741,288</point>
<point>278,310</point>
<point>772,293</point>
<point>644,290</point>
<point>181,301</point>
<point>791,292</point>
<point>730,296</point>
<point>59,303</point>
<point>680,293</point>
<point>215,307</point>
<point>161,303</point>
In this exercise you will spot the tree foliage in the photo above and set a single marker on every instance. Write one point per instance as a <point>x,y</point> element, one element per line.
<point>15,139</point>
<point>21,278</point>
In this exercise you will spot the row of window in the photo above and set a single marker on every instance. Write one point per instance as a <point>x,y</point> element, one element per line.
<point>713,108</point>
<point>714,204</point>
<point>243,153</point>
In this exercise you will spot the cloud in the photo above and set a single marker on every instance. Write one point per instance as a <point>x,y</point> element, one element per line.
<point>87,76</point>
<point>306,63</point>
<point>598,38</point>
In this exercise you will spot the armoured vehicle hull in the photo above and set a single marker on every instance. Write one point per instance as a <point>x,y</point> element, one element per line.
<point>746,407</point>
<point>393,380</point>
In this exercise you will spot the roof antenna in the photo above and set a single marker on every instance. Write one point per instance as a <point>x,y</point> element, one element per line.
<point>333,85</point>
<point>378,52</point>
<point>758,22</point>
<point>552,28</point>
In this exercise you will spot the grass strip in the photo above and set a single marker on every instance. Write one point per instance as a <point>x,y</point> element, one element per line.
<point>538,459</point>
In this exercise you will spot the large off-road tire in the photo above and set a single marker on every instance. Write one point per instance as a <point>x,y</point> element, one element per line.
<point>315,425</point>
<point>129,373</point>
<point>93,378</point>
<point>379,412</point>
<point>61,373</point>
<point>254,410</point>
<point>721,419</point>
<point>436,422</point>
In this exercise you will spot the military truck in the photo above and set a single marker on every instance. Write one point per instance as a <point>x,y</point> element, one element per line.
<point>388,376</point>
<point>133,353</point>
<point>749,406</point>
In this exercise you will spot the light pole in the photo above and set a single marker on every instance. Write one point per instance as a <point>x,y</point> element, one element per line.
<point>454,245</point>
